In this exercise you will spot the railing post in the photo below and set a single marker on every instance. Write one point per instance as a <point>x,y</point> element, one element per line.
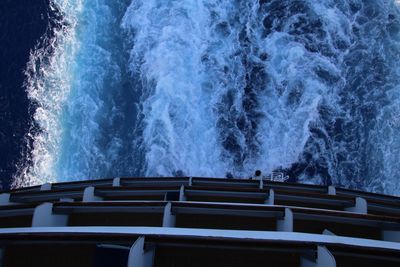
<point>359,207</point>
<point>327,232</point>
<point>5,199</point>
<point>168,218</point>
<point>331,190</point>
<point>89,196</point>
<point>45,187</point>
<point>286,224</point>
<point>270,199</point>
<point>182,196</point>
<point>43,216</point>
<point>116,181</point>
<point>324,259</point>
<point>138,257</point>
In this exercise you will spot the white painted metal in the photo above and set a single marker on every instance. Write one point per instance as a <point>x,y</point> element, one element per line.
<point>89,196</point>
<point>331,190</point>
<point>43,216</point>
<point>138,257</point>
<point>270,199</point>
<point>182,196</point>
<point>286,224</point>
<point>5,199</point>
<point>359,207</point>
<point>45,187</point>
<point>116,181</point>
<point>238,235</point>
<point>324,259</point>
<point>327,232</point>
<point>168,218</point>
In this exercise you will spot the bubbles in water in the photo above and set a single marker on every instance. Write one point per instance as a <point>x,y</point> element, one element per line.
<point>207,87</point>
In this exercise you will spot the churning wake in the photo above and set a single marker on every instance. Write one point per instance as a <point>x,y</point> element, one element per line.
<point>206,87</point>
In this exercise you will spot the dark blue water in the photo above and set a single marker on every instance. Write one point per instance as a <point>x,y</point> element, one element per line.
<point>22,25</point>
<point>202,88</point>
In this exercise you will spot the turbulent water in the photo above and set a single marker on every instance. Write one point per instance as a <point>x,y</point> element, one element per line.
<point>206,87</point>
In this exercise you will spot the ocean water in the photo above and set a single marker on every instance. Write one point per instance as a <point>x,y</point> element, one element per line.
<point>22,25</point>
<point>206,87</point>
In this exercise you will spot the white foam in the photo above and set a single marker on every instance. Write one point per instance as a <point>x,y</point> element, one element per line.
<point>179,125</point>
<point>48,85</point>
<point>193,60</point>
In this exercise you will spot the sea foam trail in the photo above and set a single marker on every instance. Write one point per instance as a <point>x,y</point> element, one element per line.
<point>171,38</point>
<point>49,75</point>
<point>218,91</point>
<point>98,117</point>
<point>279,83</point>
<point>76,86</point>
<point>206,87</point>
<point>356,141</point>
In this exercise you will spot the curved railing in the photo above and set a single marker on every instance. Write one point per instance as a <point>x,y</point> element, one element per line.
<point>159,217</point>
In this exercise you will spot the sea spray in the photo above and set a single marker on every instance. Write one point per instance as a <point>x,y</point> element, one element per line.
<point>173,48</point>
<point>48,79</point>
<point>99,117</point>
<point>207,87</point>
<point>75,85</point>
<point>222,95</point>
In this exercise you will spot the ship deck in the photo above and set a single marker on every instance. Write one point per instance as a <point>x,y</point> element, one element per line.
<point>194,221</point>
